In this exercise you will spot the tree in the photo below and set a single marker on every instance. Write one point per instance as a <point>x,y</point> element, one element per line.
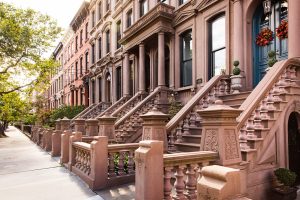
<point>12,108</point>
<point>25,37</point>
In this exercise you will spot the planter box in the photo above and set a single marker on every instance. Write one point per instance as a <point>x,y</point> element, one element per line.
<point>279,194</point>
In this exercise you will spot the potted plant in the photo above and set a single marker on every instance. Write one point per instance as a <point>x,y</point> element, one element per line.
<point>236,78</point>
<point>272,59</point>
<point>285,190</point>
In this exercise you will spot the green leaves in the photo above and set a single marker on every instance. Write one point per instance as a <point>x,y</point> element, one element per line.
<point>25,36</point>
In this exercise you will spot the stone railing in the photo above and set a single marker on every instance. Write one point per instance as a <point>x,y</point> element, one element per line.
<point>126,107</point>
<point>84,111</point>
<point>186,169</point>
<point>157,171</point>
<point>266,102</point>
<point>129,127</point>
<point>114,107</point>
<point>101,165</point>
<point>95,111</point>
<point>187,118</point>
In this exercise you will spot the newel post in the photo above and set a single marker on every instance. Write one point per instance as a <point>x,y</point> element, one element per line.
<point>99,158</point>
<point>65,124</point>
<point>65,137</point>
<point>154,126</point>
<point>76,137</point>
<point>220,134</point>
<point>149,170</point>
<point>107,126</point>
<point>57,124</point>
<point>79,125</point>
<point>56,136</point>
<point>91,127</point>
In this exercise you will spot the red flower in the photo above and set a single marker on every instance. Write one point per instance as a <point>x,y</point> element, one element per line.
<point>282,30</point>
<point>264,37</point>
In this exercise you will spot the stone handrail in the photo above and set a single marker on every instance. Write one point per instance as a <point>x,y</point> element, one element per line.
<point>95,111</point>
<point>281,70</point>
<point>186,168</point>
<point>187,117</point>
<point>84,111</point>
<point>113,107</point>
<point>131,122</point>
<point>101,165</point>
<point>121,111</point>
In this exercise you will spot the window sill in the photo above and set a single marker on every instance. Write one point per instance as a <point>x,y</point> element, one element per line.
<point>191,87</point>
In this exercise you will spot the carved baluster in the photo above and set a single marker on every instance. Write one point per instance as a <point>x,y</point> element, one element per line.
<point>264,109</point>
<point>205,103</point>
<point>293,76</point>
<point>227,86</point>
<point>276,93</point>
<point>243,139</point>
<point>179,132</point>
<point>199,171</point>
<point>76,157</point>
<point>171,146</point>
<point>88,164</point>
<point>179,183</point>
<point>193,119</point>
<point>250,128</point>
<point>167,183</point>
<point>191,182</point>
<point>270,102</point>
<point>221,87</point>
<point>186,125</point>
<point>111,167</point>
<point>121,163</point>
<point>130,164</point>
<point>257,119</point>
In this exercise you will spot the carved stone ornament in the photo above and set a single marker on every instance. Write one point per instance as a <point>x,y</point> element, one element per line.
<point>211,140</point>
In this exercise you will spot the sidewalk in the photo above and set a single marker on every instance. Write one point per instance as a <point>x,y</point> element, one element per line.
<point>29,173</point>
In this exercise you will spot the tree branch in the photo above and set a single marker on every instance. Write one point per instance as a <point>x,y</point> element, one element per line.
<point>16,88</point>
<point>12,65</point>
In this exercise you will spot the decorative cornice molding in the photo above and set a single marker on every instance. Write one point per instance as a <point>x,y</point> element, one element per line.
<point>205,4</point>
<point>183,16</point>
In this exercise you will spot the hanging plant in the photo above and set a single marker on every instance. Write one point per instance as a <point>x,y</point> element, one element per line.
<point>264,37</point>
<point>282,30</point>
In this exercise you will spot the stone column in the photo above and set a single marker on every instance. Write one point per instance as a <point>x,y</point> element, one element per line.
<point>238,48</point>
<point>149,164</point>
<point>126,75</point>
<point>154,126</point>
<point>80,125</point>
<point>294,28</point>
<point>219,133</point>
<point>97,100</point>
<point>103,85</point>
<point>142,70</point>
<point>161,59</point>
<point>107,126</point>
<point>90,92</point>
<point>65,124</point>
<point>91,127</point>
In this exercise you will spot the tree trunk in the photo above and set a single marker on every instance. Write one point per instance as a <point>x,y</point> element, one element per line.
<point>3,126</point>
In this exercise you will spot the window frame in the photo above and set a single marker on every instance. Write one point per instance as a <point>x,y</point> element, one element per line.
<point>184,83</point>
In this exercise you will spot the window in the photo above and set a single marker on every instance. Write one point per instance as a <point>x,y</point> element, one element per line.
<point>93,53</point>
<point>217,46</point>
<point>186,59</point>
<point>143,7</point>
<point>129,18</point>
<point>182,2</point>
<point>81,65</point>
<point>76,70</point>
<point>86,31</point>
<point>107,41</point>
<point>93,18</point>
<point>99,11</point>
<point>107,5</point>
<point>118,34</point>
<point>76,43</point>
<point>164,1</point>
<point>100,47</point>
<point>81,37</point>
<point>86,61</point>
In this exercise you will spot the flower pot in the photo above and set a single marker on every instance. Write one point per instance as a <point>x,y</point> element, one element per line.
<point>236,83</point>
<point>284,194</point>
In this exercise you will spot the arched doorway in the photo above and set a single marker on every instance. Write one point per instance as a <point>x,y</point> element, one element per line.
<point>272,21</point>
<point>294,144</point>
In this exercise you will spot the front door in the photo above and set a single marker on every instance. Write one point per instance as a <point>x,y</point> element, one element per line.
<point>272,21</point>
<point>294,145</point>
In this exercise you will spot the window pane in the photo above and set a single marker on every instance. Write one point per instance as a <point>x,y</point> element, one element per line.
<point>218,33</point>
<point>219,61</point>
<point>187,46</point>
<point>186,73</point>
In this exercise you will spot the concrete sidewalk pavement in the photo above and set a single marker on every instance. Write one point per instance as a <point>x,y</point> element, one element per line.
<point>29,173</point>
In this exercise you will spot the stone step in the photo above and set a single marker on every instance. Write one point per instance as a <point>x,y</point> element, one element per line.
<point>241,95</point>
<point>187,147</point>
<point>196,139</point>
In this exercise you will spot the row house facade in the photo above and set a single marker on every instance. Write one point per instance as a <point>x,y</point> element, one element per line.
<point>138,54</point>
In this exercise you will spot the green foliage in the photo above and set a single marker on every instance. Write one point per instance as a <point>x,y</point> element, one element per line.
<point>65,111</point>
<point>174,107</point>
<point>236,70</point>
<point>272,58</point>
<point>25,36</point>
<point>236,63</point>
<point>29,119</point>
<point>285,176</point>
